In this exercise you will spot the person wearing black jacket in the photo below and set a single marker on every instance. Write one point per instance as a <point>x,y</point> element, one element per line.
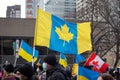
<point>53,70</point>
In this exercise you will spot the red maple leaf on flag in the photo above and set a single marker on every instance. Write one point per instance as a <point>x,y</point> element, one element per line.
<point>95,63</point>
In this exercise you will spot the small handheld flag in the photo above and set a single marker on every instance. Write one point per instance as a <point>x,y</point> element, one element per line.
<point>26,52</point>
<point>39,63</point>
<point>97,63</point>
<point>63,60</point>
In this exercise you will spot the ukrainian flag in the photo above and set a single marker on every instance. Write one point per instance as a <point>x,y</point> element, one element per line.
<point>26,52</point>
<point>87,74</point>
<point>60,35</point>
<point>63,60</point>
<point>40,62</point>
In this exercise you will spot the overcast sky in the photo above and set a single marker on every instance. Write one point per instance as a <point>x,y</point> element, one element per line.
<point>5,3</point>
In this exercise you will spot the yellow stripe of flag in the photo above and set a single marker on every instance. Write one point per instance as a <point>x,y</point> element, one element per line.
<point>26,56</point>
<point>84,37</point>
<point>43,28</point>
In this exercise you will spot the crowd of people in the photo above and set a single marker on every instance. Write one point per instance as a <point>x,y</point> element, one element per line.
<point>49,70</point>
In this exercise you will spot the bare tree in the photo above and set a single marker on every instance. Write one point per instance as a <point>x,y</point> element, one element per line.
<point>105,17</point>
<point>107,37</point>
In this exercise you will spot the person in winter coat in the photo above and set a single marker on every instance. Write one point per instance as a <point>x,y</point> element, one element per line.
<point>53,70</point>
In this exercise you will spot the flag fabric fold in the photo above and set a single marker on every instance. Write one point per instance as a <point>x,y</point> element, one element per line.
<point>97,63</point>
<point>63,60</point>
<point>60,35</point>
<point>26,52</point>
<point>87,74</point>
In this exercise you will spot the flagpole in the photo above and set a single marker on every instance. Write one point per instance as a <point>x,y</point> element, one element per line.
<point>16,52</point>
<point>33,56</point>
<point>35,34</point>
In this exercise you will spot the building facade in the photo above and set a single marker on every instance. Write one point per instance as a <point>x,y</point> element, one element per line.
<point>13,11</point>
<point>65,9</point>
<point>30,10</point>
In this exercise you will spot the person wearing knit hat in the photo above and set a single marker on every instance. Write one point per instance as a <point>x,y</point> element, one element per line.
<point>51,59</point>
<point>53,69</point>
<point>26,71</point>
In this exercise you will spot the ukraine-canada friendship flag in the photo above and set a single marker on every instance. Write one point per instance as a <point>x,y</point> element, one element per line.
<point>26,52</point>
<point>60,35</point>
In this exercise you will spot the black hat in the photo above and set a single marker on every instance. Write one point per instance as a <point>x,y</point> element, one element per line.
<point>50,59</point>
<point>9,68</point>
<point>27,70</point>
